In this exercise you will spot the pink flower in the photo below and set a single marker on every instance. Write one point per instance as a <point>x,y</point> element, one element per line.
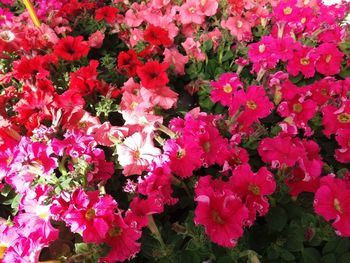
<point>332,201</point>
<point>184,155</point>
<point>220,211</point>
<point>239,27</point>
<point>330,58</point>
<point>193,50</point>
<point>253,188</point>
<point>164,97</point>
<point>176,60</point>
<point>136,153</point>
<point>190,12</point>
<point>96,39</point>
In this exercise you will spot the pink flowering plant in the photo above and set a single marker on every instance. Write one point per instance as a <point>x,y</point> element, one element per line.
<point>174,131</point>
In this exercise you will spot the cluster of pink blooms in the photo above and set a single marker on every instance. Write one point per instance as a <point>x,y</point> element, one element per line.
<point>48,133</point>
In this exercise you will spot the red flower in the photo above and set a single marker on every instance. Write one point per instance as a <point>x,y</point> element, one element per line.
<point>107,13</point>
<point>71,48</point>
<point>157,36</point>
<point>153,74</point>
<point>128,63</point>
<point>220,211</point>
<point>84,81</point>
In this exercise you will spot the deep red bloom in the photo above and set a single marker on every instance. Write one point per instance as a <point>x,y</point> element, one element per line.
<point>84,81</point>
<point>153,74</point>
<point>157,36</point>
<point>71,48</point>
<point>128,62</point>
<point>107,13</point>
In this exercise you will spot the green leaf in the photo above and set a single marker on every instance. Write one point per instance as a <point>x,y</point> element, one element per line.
<point>272,253</point>
<point>342,246</point>
<point>207,45</point>
<point>286,255</point>
<point>277,218</point>
<point>82,248</point>
<point>189,257</point>
<point>311,255</point>
<point>345,258</point>
<point>329,258</point>
<point>330,246</point>
<point>228,55</point>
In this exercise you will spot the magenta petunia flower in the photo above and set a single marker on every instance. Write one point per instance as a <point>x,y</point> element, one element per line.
<point>220,211</point>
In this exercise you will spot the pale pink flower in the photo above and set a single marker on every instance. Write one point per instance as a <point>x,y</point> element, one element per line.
<point>136,153</point>
<point>190,12</point>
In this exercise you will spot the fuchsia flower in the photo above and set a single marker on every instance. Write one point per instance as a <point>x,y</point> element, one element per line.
<point>253,188</point>
<point>121,237</point>
<point>303,61</point>
<point>330,58</point>
<point>225,87</point>
<point>332,201</point>
<point>343,138</point>
<point>255,105</point>
<point>184,155</point>
<point>89,214</point>
<point>275,152</point>
<point>220,211</point>
<point>335,119</point>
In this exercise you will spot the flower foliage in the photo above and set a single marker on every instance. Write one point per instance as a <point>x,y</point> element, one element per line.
<point>175,131</point>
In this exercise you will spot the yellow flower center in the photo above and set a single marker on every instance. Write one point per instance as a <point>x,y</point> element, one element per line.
<point>344,118</point>
<point>90,214</point>
<point>251,104</point>
<point>297,107</point>
<point>288,10</point>
<point>3,249</point>
<point>136,154</point>
<point>206,147</point>
<point>181,153</point>
<point>216,217</point>
<point>239,23</point>
<point>337,206</point>
<point>115,231</point>
<point>305,61</point>
<point>192,10</point>
<point>328,58</point>
<point>303,20</point>
<point>262,48</point>
<point>254,189</point>
<point>228,88</point>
